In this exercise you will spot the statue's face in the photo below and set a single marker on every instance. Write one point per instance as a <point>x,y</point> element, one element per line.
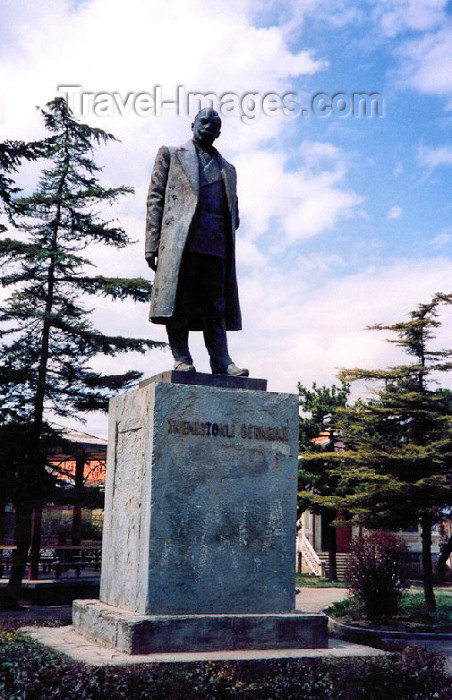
<point>206,127</point>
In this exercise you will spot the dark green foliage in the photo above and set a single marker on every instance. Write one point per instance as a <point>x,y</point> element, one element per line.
<point>17,475</point>
<point>400,441</point>
<point>48,323</point>
<point>314,477</point>
<point>315,482</point>
<point>45,364</point>
<point>11,155</point>
<point>412,614</point>
<point>48,339</point>
<point>316,405</point>
<point>375,573</point>
<point>396,470</point>
<point>27,672</point>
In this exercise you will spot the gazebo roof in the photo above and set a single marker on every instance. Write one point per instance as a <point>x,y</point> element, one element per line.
<point>94,448</point>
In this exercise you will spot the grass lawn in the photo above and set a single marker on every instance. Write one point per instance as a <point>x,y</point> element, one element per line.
<point>412,616</point>
<point>439,590</point>
<point>317,582</point>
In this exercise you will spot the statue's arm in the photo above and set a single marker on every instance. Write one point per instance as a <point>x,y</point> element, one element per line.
<point>155,203</point>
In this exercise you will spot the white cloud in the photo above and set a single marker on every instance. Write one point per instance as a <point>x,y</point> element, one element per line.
<point>426,62</point>
<point>304,315</point>
<point>419,35</point>
<point>435,157</point>
<point>319,263</point>
<point>442,240</point>
<point>248,253</point>
<point>299,331</point>
<point>135,45</point>
<point>397,16</point>
<point>205,46</point>
<point>294,204</point>
<point>394,212</point>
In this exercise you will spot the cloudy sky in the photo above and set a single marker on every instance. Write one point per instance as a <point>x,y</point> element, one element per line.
<point>346,220</point>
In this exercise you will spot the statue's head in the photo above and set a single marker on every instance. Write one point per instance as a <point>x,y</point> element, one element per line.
<point>206,127</point>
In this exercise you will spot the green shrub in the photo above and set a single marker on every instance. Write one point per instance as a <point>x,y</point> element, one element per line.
<point>349,608</point>
<point>375,574</point>
<point>29,672</point>
<point>412,614</point>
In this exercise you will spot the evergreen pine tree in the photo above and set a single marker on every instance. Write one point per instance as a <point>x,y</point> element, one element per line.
<point>48,338</point>
<point>318,406</point>
<point>397,469</point>
<point>11,155</point>
<point>11,436</point>
<point>319,410</point>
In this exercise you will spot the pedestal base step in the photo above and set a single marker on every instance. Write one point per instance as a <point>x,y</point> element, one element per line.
<point>133,633</point>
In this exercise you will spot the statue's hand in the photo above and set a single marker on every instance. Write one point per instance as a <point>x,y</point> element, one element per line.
<point>151,260</point>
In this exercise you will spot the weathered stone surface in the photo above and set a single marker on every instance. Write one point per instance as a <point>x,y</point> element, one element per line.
<point>65,640</point>
<point>222,381</point>
<point>201,501</point>
<point>145,634</point>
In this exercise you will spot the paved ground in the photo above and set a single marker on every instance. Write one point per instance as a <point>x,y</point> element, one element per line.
<point>66,641</point>
<point>316,599</point>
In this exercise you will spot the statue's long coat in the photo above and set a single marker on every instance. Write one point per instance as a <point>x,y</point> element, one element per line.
<point>172,199</point>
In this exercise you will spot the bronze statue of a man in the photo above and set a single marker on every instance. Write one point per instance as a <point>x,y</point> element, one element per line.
<point>192,216</point>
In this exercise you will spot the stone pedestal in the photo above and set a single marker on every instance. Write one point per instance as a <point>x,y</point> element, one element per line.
<point>199,530</point>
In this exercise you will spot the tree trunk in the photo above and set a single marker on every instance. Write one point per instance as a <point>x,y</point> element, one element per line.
<point>427,569</point>
<point>332,545</point>
<point>77,512</point>
<point>441,566</point>
<point>35,553</point>
<point>22,540</point>
<point>76,536</point>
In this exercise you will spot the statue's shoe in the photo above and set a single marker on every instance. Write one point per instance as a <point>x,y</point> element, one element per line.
<point>184,367</point>
<point>233,371</point>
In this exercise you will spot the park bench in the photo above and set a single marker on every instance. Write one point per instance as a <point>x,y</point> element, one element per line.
<point>77,558</point>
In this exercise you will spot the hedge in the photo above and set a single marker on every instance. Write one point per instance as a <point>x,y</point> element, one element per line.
<point>30,672</point>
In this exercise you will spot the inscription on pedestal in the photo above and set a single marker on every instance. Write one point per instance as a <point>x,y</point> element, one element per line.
<point>206,523</point>
<point>229,430</point>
